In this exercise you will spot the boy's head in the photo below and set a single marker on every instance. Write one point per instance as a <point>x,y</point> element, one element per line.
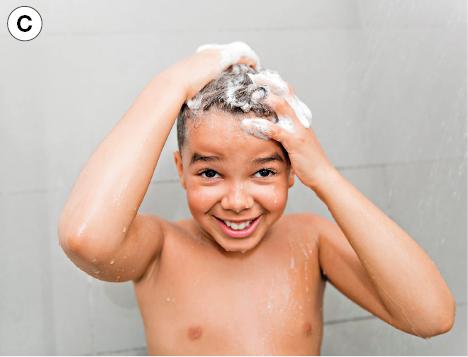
<point>229,174</point>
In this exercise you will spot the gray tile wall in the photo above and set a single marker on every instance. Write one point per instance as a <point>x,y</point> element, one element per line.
<point>386,82</point>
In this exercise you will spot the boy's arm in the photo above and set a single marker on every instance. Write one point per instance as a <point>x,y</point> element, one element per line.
<point>371,259</point>
<point>386,271</point>
<point>99,228</point>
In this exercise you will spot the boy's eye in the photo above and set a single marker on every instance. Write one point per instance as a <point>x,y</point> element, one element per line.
<point>208,173</point>
<point>264,173</point>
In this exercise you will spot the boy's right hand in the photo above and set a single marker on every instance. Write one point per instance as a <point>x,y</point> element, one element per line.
<point>197,70</point>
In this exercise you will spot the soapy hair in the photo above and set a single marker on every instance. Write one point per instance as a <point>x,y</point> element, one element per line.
<point>232,92</point>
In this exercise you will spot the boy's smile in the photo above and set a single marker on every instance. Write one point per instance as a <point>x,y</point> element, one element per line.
<point>237,184</point>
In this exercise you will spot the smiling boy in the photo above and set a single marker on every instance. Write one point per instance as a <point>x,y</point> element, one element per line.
<point>239,277</point>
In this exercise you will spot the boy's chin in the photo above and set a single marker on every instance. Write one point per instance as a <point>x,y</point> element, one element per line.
<point>238,244</point>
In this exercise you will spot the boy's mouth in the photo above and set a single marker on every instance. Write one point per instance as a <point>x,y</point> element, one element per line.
<point>239,229</point>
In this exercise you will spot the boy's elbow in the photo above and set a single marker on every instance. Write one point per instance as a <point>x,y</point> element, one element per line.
<point>442,322</point>
<point>448,318</point>
<point>73,244</point>
<point>72,241</point>
<point>446,325</point>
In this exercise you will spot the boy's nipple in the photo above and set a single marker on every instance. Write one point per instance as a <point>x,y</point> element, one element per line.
<point>194,332</point>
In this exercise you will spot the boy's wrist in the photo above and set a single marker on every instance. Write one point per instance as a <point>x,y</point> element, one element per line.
<point>324,179</point>
<point>174,79</point>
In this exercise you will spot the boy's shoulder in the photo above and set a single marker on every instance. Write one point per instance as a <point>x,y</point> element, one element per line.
<point>293,225</point>
<point>302,225</point>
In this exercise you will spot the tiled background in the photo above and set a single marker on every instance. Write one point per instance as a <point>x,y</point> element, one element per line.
<point>386,82</point>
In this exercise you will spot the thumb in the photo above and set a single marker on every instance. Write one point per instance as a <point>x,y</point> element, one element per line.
<point>264,129</point>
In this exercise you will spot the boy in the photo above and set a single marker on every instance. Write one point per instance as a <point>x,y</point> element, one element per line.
<point>240,278</point>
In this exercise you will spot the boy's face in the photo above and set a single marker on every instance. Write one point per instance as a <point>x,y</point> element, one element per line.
<point>233,176</point>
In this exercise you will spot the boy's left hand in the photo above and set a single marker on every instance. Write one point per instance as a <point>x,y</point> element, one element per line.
<point>308,159</point>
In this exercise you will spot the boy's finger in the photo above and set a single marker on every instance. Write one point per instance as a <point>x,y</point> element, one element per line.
<point>248,62</point>
<point>282,108</point>
<point>264,129</point>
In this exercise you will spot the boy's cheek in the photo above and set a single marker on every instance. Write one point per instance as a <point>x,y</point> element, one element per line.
<point>203,197</point>
<point>272,197</point>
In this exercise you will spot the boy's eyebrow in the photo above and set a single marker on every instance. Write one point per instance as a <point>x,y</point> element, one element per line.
<point>263,160</point>
<point>197,157</point>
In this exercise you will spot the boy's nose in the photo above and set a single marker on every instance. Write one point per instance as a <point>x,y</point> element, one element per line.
<point>237,198</point>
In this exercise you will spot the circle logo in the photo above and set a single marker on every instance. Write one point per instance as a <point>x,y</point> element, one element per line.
<point>24,23</point>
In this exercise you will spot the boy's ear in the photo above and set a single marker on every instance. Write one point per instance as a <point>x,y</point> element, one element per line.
<point>291,177</point>
<point>178,162</point>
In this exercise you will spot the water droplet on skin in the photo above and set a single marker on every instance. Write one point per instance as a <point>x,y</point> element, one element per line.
<point>125,257</point>
<point>94,260</point>
<point>125,229</point>
<point>168,299</point>
<point>242,251</point>
<point>112,261</point>
<point>97,272</point>
<point>118,277</point>
<point>135,209</point>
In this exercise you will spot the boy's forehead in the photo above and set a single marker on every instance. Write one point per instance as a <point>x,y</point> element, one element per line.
<point>222,134</point>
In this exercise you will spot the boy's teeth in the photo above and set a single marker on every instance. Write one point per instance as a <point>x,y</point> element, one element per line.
<point>238,226</point>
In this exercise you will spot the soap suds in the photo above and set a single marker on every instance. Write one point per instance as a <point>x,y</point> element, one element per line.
<point>238,96</point>
<point>279,87</point>
<point>232,53</point>
<point>258,128</point>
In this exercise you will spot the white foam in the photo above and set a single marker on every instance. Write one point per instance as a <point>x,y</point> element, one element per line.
<point>232,53</point>
<point>195,102</point>
<point>269,79</point>
<point>279,87</point>
<point>286,123</point>
<point>259,128</point>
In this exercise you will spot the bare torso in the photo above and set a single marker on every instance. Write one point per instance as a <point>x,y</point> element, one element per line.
<point>199,299</point>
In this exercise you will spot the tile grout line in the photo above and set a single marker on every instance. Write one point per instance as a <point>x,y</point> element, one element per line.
<point>351,167</point>
<point>370,317</point>
<point>125,350</point>
<point>351,319</point>
<point>400,163</point>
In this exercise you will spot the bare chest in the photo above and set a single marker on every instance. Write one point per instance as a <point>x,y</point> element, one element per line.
<point>263,302</point>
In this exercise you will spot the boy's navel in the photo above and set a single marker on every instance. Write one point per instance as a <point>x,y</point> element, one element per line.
<point>194,332</point>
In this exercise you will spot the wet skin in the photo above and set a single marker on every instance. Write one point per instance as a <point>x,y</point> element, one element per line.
<point>199,299</point>
<point>267,300</point>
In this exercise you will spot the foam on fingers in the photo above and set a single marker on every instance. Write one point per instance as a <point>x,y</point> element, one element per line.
<point>278,86</point>
<point>257,127</point>
<point>232,53</point>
